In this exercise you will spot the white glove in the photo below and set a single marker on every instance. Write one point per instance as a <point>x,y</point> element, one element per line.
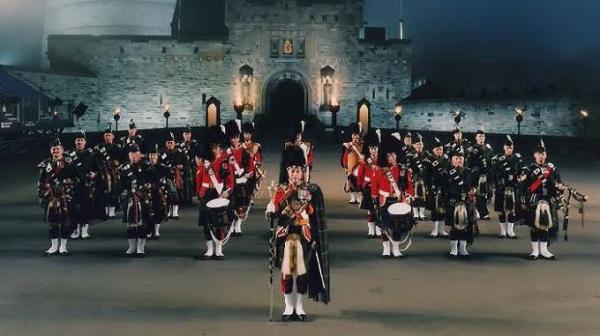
<point>206,164</point>
<point>270,210</point>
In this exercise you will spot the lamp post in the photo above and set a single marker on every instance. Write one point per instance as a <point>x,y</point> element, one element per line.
<point>585,117</point>
<point>519,118</point>
<point>238,108</point>
<point>117,116</point>
<point>167,115</point>
<point>398,115</point>
<point>457,117</point>
<point>334,108</point>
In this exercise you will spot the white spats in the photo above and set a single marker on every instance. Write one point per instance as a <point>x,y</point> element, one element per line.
<point>53,246</point>
<point>111,212</point>
<point>454,247</point>
<point>544,251</point>
<point>219,249</point>
<point>141,245</point>
<point>415,211</point>
<point>237,225</point>
<point>434,232</point>
<point>299,307</point>
<point>535,249</point>
<point>422,212</point>
<point>502,229</point>
<point>352,198</point>
<point>462,248</point>
<point>85,231</point>
<point>510,230</point>
<point>358,197</point>
<point>76,232</point>
<point>386,249</point>
<point>396,249</point>
<point>156,230</point>
<point>63,246</point>
<point>210,248</point>
<point>131,248</point>
<point>289,306</point>
<point>371,228</point>
<point>175,211</point>
<point>377,231</point>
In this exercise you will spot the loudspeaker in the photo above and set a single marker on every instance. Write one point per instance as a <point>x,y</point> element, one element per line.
<point>80,110</point>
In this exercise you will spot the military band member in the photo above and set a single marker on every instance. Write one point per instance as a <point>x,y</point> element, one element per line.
<point>458,143</point>
<point>297,139</point>
<point>214,179</point>
<point>407,149</point>
<point>132,138</point>
<point>254,149</point>
<point>392,183</point>
<point>160,176</point>
<point>136,186</point>
<point>541,184</point>
<point>85,190</point>
<point>174,158</point>
<point>365,172</point>
<point>479,162</point>
<point>351,158</point>
<point>506,167</point>
<point>189,149</point>
<point>438,165</point>
<point>243,166</point>
<point>459,193</point>
<point>418,162</point>
<point>301,243</point>
<point>55,184</point>
<point>109,156</point>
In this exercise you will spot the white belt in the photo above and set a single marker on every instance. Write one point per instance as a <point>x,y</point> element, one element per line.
<point>241,180</point>
<point>206,185</point>
<point>367,179</point>
<point>384,193</point>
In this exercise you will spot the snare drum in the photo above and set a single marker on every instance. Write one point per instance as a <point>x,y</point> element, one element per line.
<point>400,215</point>
<point>216,211</point>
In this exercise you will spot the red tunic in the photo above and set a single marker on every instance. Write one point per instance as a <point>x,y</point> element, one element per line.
<point>238,154</point>
<point>365,173</point>
<point>381,186</point>
<point>204,182</point>
<point>282,192</point>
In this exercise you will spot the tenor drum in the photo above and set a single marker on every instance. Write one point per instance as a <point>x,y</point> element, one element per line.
<point>400,215</point>
<point>217,213</point>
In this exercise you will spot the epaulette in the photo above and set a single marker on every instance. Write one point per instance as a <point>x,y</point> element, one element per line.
<point>518,155</point>
<point>551,165</point>
<point>488,146</point>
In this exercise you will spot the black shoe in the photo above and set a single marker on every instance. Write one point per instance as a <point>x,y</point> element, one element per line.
<point>65,254</point>
<point>203,257</point>
<point>550,258</point>
<point>140,255</point>
<point>215,257</point>
<point>286,318</point>
<point>235,234</point>
<point>531,257</point>
<point>513,237</point>
<point>302,317</point>
<point>502,236</point>
<point>432,236</point>
<point>371,236</point>
<point>452,256</point>
<point>386,256</point>
<point>49,254</point>
<point>175,217</point>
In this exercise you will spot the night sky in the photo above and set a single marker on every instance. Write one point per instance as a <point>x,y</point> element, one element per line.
<point>537,37</point>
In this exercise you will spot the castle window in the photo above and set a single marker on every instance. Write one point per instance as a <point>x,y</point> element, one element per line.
<point>246,81</point>
<point>327,79</point>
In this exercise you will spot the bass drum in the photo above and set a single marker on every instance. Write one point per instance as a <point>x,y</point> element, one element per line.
<point>217,213</point>
<point>400,215</point>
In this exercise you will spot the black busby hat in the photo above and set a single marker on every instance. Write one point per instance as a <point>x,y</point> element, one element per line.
<point>391,144</point>
<point>458,151</point>
<point>297,128</point>
<point>133,148</point>
<point>153,149</point>
<point>248,127</point>
<point>132,124</point>
<point>437,143</point>
<point>355,128</point>
<point>541,147</point>
<point>480,130</point>
<point>408,134</point>
<point>215,136</point>
<point>372,138</point>
<point>80,134</point>
<point>187,129</point>
<point>233,128</point>
<point>170,137</point>
<point>419,139</point>
<point>55,142</point>
<point>508,141</point>
<point>109,129</point>
<point>456,130</point>
<point>293,156</point>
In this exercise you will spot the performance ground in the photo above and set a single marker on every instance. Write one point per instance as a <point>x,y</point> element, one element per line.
<point>97,291</point>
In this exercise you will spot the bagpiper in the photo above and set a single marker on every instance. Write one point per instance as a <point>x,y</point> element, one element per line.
<point>243,165</point>
<point>407,150</point>
<point>55,184</point>
<point>418,161</point>
<point>301,248</point>
<point>174,158</point>
<point>85,193</point>
<point>132,138</point>
<point>392,193</point>
<point>438,165</point>
<point>136,200</point>
<point>160,176</point>
<point>189,148</point>
<point>541,184</point>
<point>506,167</point>
<point>459,195</point>
<point>458,144</point>
<point>215,183</point>
<point>109,156</point>
<point>351,158</point>
<point>254,149</point>
<point>479,162</point>
<point>366,169</point>
<point>297,139</point>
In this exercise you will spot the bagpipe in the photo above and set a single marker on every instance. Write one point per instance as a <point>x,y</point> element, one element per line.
<point>565,203</point>
<point>178,177</point>
<point>352,166</point>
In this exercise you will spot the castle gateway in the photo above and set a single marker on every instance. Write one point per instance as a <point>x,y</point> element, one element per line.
<point>279,60</point>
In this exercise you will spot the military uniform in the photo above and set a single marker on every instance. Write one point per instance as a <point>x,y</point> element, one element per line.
<point>56,180</point>
<point>365,172</point>
<point>350,160</point>
<point>507,202</point>
<point>296,139</point>
<point>254,150</point>
<point>161,176</point>
<point>129,140</point>
<point>418,162</point>
<point>109,159</point>
<point>300,238</point>
<point>189,150</point>
<point>479,162</point>
<point>174,159</point>
<point>438,165</point>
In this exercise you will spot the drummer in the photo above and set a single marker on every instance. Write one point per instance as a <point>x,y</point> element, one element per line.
<point>214,179</point>
<point>363,179</point>
<point>392,183</point>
